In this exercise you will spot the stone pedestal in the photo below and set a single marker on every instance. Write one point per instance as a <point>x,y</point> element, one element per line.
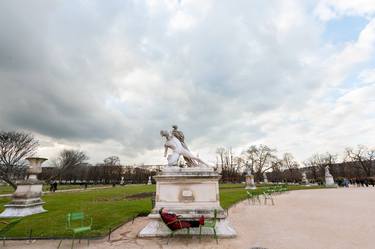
<point>265,179</point>
<point>305,181</point>
<point>329,182</point>
<point>26,200</point>
<point>190,193</point>
<point>250,184</point>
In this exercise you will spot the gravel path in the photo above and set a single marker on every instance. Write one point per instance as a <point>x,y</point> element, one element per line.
<point>308,219</point>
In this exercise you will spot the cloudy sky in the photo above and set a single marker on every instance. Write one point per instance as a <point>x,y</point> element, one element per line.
<point>106,76</point>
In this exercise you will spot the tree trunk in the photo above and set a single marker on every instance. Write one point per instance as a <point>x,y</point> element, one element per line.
<point>11,183</point>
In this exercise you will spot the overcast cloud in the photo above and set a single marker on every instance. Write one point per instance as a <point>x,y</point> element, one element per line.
<point>106,76</point>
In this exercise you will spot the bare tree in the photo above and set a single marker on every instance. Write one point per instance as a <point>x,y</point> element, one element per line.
<point>69,162</point>
<point>260,159</point>
<point>112,169</point>
<point>14,148</point>
<point>229,165</point>
<point>363,156</point>
<point>290,165</point>
<point>318,162</point>
<point>112,161</point>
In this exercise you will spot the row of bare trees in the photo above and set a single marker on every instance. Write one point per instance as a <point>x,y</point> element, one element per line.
<point>72,166</point>
<point>260,159</point>
<point>69,166</point>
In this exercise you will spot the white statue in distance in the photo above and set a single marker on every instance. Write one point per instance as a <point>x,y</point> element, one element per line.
<point>178,150</point>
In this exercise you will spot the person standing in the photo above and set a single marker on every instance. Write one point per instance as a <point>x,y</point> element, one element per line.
<point>54,185</point>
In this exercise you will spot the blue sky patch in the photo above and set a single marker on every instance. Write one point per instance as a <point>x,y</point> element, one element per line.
<point>345,29</point>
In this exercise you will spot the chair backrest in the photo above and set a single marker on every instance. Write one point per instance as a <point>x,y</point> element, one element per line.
<point>74,216</point>
<point>9,226</point>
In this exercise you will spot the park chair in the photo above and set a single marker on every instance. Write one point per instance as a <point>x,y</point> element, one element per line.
<point>77,223</point>
<point>268,196</point>
<point>8,225</point>
<point>284,188</point>
<point>171,225</point>
<point>252,197</point>
<point>209,223</point>
<point>269,191</point>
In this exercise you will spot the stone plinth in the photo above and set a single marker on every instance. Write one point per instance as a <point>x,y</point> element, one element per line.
<point>265,179</point>
<point>305,181</point>
<point>26,200</point>
<point>190,193</point>
<point>329,182</point>
<point>250,184</point>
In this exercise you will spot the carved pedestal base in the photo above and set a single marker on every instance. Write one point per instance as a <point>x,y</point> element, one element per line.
<point>157,228</point>
<point>26,200</point>
<point>250,184</point>
<point>190,193</point>
<point>330,183</point>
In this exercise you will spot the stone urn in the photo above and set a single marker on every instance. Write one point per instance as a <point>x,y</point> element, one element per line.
<point>26,199</point>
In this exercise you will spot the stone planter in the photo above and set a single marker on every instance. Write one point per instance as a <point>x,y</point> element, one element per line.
<point>26,199</point>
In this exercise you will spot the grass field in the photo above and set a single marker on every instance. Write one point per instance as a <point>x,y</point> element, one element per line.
<point>109,208</point>
<point>4,189</point>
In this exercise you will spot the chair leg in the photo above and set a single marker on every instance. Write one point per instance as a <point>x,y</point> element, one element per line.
<point>59,244</point>
<point>88,242</point>
<point>73,242</point>
<point>273,204</point>
<point>200,233</point>
<point>215,235</point>
<point>169,237</point>
<point>3,241</point>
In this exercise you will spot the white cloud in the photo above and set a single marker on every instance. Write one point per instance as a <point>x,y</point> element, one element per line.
<point>330,9</point>
<point>111,75</point>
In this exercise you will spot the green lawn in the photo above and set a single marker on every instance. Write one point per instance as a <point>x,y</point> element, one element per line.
<point>108,207</point>
<point>4,189</point>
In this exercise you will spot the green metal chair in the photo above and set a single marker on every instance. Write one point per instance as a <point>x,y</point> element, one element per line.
<point>77,223</point>
<point>252,197</point>
<point>8,225</point>
<point>268,196</point>
<point>210,223</point>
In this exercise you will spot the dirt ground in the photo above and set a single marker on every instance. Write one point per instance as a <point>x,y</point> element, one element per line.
<point>308,219</point>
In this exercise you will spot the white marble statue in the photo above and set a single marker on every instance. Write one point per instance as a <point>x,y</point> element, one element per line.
<point>181,137</point>
<point>304,178</point>
<point>329,182</point>
<point>265,179</point>
<point>177,150</point>
<point>327,173</point>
